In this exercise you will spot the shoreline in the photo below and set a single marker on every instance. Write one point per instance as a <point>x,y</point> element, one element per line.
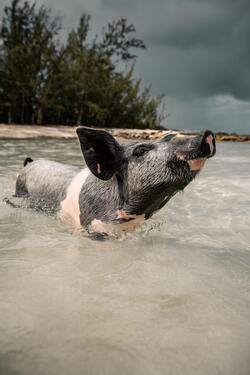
<point>68,132</point>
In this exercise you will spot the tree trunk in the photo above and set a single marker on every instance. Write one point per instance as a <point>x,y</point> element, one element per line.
<point>79,120</point>
<point>9,117</point>
<point>39,115</point>
<point>32,117</point>
<point>22,110</point>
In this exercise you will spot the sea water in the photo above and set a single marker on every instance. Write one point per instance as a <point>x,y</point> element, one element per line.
<point>172,298</point>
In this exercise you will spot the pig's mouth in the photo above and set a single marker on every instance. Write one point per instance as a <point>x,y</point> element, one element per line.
<point>208,147</point>
<point>196,155</point>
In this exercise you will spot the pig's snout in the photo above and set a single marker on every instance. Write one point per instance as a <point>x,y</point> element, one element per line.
<point>208,147</point>
<point>199,150</point>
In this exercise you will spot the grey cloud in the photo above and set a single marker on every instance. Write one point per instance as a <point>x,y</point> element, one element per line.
<point>197,50</point>
<point>188,23</point>
<point>126,6</point>
<point>196,47</point>
<point>216,113</point>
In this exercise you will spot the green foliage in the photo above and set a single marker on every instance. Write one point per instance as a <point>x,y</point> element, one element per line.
<point>43,81</point>
<point>117,40</point>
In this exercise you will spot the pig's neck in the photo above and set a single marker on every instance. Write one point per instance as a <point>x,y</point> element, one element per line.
<point>99,201</point>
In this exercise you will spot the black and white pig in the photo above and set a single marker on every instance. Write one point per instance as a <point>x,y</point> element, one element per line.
<point>122,185</point>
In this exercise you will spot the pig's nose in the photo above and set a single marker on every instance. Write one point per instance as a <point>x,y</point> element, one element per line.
<point>208,144</point>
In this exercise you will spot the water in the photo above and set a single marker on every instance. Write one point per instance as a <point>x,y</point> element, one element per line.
<point>171,299</point>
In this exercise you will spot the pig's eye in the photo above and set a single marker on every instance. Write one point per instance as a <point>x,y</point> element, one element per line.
<point>142,149</point>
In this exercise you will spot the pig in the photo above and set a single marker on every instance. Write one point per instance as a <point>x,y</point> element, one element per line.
<point>122,185</point>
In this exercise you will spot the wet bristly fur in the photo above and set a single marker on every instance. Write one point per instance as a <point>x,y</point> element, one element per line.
<point>45,183</point>
<point>135,179</point>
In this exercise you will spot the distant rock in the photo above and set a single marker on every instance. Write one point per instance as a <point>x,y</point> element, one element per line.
<point>233,137</point>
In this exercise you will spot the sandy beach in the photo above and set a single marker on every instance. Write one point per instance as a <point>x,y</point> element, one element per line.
<point>68,132</point>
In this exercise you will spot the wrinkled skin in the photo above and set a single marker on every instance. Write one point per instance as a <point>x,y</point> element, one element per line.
<point>128,183</point>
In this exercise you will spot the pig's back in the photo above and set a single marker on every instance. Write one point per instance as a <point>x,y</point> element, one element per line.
<point>45,180</point>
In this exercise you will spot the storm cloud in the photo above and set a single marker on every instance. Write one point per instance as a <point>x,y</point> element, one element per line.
<point>202,45</point>
<point>198,54</point>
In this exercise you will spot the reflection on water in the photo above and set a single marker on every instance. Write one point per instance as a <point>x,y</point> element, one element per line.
<point>170,299</point>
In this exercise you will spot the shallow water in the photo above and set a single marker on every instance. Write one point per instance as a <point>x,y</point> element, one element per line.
<point>170,299</point>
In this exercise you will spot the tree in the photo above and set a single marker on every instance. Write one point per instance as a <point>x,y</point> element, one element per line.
<point>117,40</point>
<point>27,53</point>
<point>44,81</point>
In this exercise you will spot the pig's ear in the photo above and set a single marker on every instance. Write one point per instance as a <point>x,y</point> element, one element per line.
<point>102,153</point>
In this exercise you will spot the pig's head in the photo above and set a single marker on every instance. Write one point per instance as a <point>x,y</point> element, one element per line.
<point>148,174</point>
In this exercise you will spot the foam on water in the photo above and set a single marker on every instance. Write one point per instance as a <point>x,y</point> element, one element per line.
<point>172,298</point>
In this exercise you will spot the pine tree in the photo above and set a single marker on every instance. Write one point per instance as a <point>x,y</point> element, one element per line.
<point>27,53</point>
<point>44,81</point>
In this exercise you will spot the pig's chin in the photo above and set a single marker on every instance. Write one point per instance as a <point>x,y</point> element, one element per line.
<point>196,164</point>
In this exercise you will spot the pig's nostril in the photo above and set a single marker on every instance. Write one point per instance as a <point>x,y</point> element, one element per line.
<point>207,133</point>
<point>208,143</point>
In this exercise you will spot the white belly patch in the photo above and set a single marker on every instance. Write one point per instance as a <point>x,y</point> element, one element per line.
<point>117,229</point>
<point>70,205</point>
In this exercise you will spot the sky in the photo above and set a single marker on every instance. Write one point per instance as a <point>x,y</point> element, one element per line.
<point>198,54</point>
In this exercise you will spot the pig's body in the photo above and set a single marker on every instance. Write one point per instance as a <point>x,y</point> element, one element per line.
<point>127,184</point>
<point>70,192</point>
<point>45,180</point>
